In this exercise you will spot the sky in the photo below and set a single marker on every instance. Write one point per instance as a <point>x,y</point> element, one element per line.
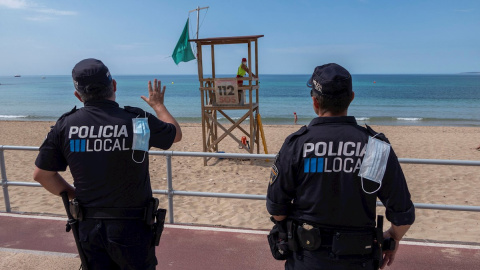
<point>47,37</point>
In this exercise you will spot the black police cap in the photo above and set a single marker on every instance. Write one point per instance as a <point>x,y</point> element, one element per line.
<point>331,80</point>
<point>90,71</point>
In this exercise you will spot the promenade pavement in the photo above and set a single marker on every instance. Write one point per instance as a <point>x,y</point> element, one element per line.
<point>40,242</point>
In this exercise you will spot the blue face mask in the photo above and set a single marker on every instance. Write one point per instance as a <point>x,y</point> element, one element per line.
<point>141,136</point>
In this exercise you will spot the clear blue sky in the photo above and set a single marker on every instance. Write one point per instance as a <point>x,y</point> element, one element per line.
<point>46,37</point>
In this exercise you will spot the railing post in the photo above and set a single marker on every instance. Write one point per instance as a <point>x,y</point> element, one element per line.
<point>170,188</point>
<point>4,180</point>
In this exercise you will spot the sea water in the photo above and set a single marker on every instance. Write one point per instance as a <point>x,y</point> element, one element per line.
<point>439,100</point>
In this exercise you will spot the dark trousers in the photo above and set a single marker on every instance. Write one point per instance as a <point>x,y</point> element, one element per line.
<point>321,259</point>
<point>117,244</point>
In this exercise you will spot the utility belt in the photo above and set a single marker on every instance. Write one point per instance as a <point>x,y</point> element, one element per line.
<point>149,214</point>
<point>341,242</point>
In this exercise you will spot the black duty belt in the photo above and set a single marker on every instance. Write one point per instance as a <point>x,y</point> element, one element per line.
<point>113,213</point>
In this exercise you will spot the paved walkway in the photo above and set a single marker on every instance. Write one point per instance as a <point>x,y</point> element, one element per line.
<point>34,242</point>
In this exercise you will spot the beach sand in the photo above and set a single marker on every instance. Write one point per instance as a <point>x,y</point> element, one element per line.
<point>457,185</point>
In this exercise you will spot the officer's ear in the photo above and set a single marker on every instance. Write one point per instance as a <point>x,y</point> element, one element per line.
<point>78,96</point>
<point>114,85</point>
<point>316,106</point>
<point>315,103</point>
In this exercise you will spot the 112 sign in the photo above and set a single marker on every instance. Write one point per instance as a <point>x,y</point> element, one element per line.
<point>226,92</point>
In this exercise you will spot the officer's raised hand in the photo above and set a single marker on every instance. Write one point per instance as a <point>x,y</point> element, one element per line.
<point>156,94</point>
<point>156,97</point>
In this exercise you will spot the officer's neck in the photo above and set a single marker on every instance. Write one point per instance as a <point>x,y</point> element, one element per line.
<point>330,114</point>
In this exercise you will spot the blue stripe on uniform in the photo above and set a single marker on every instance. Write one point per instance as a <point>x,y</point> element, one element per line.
<point>82,145</point>
<point>77,145</point>
<point>72,145</point>
<point>306,165</point>
<point>313,165</point>
<point>320,165</point>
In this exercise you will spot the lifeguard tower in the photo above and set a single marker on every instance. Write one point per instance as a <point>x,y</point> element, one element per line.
<point>221,95</point>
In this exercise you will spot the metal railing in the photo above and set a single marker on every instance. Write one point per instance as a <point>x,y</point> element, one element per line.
<point>170,192</point>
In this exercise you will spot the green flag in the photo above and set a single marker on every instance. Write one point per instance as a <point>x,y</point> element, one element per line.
<point>183,50</point>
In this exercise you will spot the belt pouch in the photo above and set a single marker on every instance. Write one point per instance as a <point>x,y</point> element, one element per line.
<point>352,243</point>
<point>309,237</point>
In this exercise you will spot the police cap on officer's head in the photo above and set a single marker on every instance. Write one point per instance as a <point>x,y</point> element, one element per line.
<point>90,72</point>
<point>331,80</point>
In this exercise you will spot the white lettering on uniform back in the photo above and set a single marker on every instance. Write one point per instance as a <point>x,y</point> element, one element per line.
<point>324,149</point>
<point>307,148</point>
<point>83,132</point>
<point>346,152</point>
<point>123,131</point>
<point>73,130</point>
<point>106,133</point>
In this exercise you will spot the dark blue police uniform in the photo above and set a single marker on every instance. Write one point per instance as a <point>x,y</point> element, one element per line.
<point>315,180</point>
<point>96,143</point>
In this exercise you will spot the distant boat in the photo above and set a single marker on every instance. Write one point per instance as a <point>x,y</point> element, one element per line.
<point>17,76</point>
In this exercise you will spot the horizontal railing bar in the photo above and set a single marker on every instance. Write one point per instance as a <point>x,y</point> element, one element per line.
<point>439,162</point>
<point>270,156</point>
<point>208,154</point>
<point>442,207</point>
<point>220,195</point>
<point>14,147</point>
<point>25,184</point>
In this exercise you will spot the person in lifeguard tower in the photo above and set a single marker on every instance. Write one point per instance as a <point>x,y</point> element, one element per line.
<point>242,70</point>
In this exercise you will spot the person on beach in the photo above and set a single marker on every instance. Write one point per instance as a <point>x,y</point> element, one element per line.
<point>106,149</point>
<point>295,118</point>
<point>242,70</point>
<point>324,212</point>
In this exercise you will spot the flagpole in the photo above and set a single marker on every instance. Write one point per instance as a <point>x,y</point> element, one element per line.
<point>198,15</point>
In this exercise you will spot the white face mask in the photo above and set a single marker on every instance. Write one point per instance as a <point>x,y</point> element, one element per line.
<point>244,63</point>
<point>374,162</point>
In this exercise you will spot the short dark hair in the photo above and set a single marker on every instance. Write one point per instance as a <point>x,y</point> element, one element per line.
<point>333,104</point>
<point>96,91</point>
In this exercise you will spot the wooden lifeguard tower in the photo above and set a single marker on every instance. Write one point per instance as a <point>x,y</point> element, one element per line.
<point>220,95</point>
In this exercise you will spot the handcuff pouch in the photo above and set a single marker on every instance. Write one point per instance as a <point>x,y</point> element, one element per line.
<point>309,237</point>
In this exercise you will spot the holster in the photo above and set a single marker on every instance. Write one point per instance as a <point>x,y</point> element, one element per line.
<point>151,211</point>
<point>277,240</point>
<point>159,225</point>
<point>378,245</point>
<point>76,210</point>
<point>293,242</point>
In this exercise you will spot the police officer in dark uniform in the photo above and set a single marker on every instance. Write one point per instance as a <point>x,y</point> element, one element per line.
<point>317,196</point>
<point>105,147</point>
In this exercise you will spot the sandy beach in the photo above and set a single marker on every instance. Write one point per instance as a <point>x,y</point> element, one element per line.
<point>458,185</point>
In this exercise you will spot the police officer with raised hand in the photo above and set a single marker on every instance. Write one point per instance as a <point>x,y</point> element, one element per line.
<point>106,148</point>
<point>325,182</point>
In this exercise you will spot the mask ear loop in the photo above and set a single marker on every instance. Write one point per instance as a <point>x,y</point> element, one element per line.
<point>361,180</point>
<point>144,153</point>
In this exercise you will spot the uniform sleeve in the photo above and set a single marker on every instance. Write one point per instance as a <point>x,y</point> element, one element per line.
<point>394,194</point>
<point>51,157</point>
<point>281,189</point>
<point>162,134</point>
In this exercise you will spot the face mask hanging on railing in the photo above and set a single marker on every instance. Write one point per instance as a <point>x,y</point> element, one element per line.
<point>374,162</point>
<point>141,136</point>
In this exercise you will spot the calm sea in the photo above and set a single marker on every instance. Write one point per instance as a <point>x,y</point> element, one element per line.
<point>427,100</point>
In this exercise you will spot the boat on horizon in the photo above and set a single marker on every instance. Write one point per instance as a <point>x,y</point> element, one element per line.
<point>17,75</point>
